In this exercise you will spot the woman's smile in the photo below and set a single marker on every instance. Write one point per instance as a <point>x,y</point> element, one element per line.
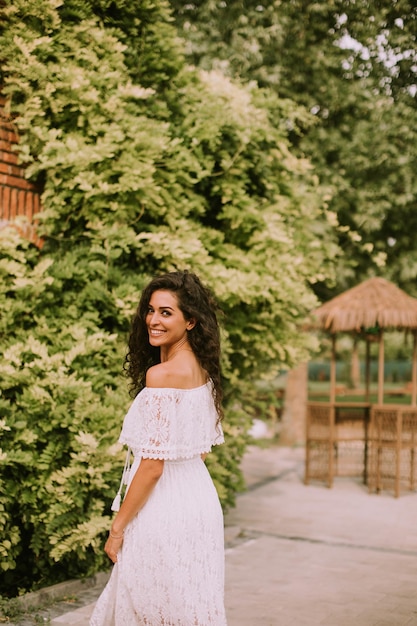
<point>167,326</point>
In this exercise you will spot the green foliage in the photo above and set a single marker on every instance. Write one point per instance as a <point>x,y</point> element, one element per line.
<point>59,395</point>
<point>146,165</point>
<point>352,65</point>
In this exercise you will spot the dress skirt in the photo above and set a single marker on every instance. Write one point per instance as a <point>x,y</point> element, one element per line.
<point>170,569</point>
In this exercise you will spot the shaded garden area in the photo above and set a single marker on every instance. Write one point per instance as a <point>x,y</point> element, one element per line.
<point>163,135</point>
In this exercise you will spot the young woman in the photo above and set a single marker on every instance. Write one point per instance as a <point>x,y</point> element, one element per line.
<point>167,539</point>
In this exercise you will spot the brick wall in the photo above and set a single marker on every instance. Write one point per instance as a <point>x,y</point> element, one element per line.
<point>18,197</point>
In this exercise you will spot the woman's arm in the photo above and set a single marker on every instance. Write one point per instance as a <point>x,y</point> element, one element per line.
<point>141,487</point>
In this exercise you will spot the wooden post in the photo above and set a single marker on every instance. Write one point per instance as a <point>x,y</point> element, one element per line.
<point>333,372</point>
<point>398,447</point>
<point>414,371</point>
<point>332,435</point>
<point>413,452</point>
<point>381,368</point>
<point>332,414</point>
<point>355,377</point>
<point>367,369</point>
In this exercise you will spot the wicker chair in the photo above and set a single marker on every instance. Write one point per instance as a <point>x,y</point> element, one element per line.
<point>393,448</point>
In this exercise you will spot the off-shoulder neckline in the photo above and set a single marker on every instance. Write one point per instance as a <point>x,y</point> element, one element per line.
<point>177,388</point>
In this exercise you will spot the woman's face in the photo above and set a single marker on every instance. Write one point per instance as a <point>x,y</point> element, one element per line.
<point>165,321</point>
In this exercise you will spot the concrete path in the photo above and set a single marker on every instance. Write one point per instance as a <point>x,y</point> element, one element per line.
<point>306,555</point>
<point>317,556</point>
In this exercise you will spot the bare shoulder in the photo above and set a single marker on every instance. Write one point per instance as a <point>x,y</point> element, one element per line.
<point>175,375</point>
<point>165,375</point>
<point>158,376</point>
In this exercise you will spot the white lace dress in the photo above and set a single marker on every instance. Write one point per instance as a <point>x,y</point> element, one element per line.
<point>170,570</point>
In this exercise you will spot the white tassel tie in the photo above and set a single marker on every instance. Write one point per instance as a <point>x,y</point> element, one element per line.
<point>124,481</point>
<point>116,503</point>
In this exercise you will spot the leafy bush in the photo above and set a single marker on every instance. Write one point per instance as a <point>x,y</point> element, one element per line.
<point>146,166</point>
<point>62,400</point>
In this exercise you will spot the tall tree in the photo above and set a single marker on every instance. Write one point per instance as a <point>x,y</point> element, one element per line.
<point>352,65</point>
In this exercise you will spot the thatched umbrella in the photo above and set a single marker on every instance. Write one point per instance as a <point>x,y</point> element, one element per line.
<point>367,310</point>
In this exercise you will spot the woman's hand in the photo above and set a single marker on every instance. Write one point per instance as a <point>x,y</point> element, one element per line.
<point>113,545</point>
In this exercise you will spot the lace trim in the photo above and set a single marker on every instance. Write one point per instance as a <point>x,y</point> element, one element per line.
<point>172,423</point>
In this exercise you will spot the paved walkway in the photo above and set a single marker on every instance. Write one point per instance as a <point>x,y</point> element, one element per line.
<point>308,556</point>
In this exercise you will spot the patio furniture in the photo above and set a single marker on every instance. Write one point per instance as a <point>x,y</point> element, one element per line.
<point>385,435</point>
<point>393,449</point>
<point>337,441</point>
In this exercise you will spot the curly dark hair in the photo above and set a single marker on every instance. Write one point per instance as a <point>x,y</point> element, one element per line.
<point>195,301</point>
